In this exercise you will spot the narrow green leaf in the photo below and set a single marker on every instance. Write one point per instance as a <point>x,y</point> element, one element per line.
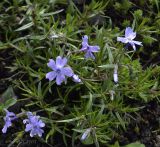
<point>52,13</point>
<point>10,102</point>
<point>109,53</point>
<point>135,144</point>
<point>106,66</point>
<point>72,119</point>
<point>26,26</point>
<point>120,120</point>
<point>8,94</point>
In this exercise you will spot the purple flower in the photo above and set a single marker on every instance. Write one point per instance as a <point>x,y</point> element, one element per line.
<point>88,49</point>
<point>60,71</point>
<point>34,125</point>
<point>115,74</point>
<point>129,36</point>
<point>76,78</point>
<point>8,118</point>
<point>86,134</point>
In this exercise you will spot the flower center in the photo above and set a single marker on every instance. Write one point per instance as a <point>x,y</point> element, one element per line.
<point>58,71</point>
<point>35,127</point>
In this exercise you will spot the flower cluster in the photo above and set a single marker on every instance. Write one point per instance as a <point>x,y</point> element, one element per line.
<point>33,123</point>
<point>60,72</point>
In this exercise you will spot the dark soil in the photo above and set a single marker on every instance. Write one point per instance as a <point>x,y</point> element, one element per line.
<point>145,128</point>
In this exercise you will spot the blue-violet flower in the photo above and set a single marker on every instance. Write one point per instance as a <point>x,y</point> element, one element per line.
<point>76,78</point>
<point>86,134</point>
<point>8,120</point>
<point>60,71</point>
<point>88,49</point>
<point>115,74</point>
<point>129,36</point>
<point>34,125</point>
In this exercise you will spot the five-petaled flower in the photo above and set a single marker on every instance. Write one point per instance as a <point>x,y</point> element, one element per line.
<point>129,36</point>
<point>88,49</point>
<point>8,120</point>
<point>34,125</point>
<point>60,71</point>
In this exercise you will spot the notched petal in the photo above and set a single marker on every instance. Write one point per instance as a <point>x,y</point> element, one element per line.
<point>94,48</point>
<point>85,41</point>
<point>51,64</point>
<point>59,79</point>
<point>122,39</point>
<point>67,71</point>
<point>51,75</point>
<point>89,55</point>
<point>61,62</point>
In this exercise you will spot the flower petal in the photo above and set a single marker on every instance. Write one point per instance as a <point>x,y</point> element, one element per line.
<point>76,78</point>
<point>28,127</point>
<point>60,78</point>
<point>115,74</point>
<point>89,55</point>
<point>85,41</point>
<point>137,43</point>
<point>85,134</point>
<point>84,48</point>
<point>41,124</point>
<point>25,121</point>
<point>29,114</point>
<point>8,122</point>
<point>4,130</point>
<point>40,133</point>
<point>61,62</point>
<point>51,64</point>
<point>67,71</point>
<point>122,39</point>
<point>32,133</point>
<point>133,45</point>
<point>129,33</point>
<point>51,75</point>
<point>94,48</point>
<point>115,77</point>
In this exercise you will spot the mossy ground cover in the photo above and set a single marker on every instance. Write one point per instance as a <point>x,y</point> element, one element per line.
<point>98,110</point>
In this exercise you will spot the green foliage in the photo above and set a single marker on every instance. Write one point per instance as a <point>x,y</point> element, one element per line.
<point>35,31</point>
<point>136,144</point>
<point>7,99</point>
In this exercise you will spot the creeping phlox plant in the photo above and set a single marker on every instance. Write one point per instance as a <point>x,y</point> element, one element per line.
<point>60,72</point>
<point>72,72</point>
